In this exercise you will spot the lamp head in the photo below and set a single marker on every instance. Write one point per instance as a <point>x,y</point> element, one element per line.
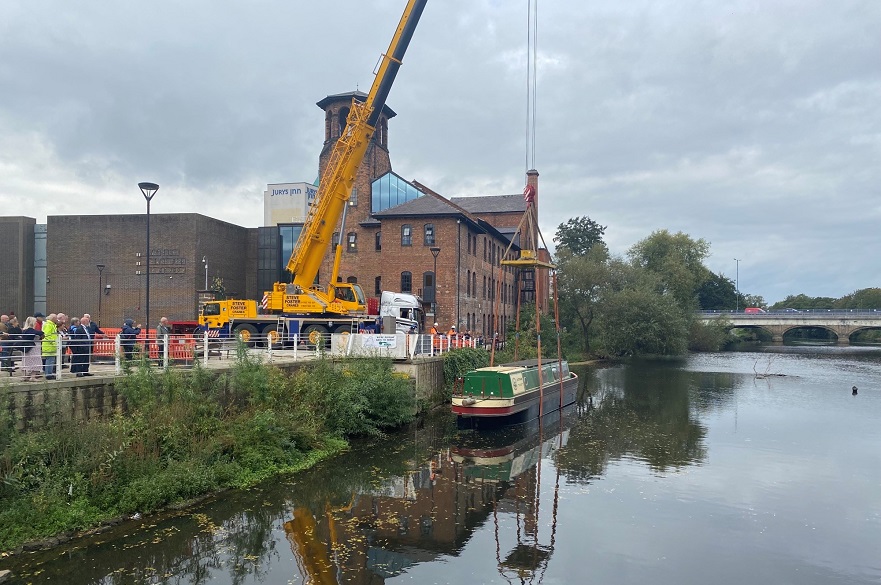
<point>148,189</point>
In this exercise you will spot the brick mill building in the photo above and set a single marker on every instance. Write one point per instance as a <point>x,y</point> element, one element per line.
<point>392,227</point>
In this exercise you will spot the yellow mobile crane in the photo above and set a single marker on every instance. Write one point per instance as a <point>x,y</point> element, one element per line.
<point>301,306</point>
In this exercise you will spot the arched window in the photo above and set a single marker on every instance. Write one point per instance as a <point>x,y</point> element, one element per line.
<point>378,242</point>
<point>406,235</point>
<point>474,283</point>
<point>352,242</point>
<point>328,121</point>
<point>344,114</point>
<point>406,281</point>
<point>468,284</point>
<point>377,285</point>
<point>429,235</point>
<point>334,241</point>
<point>352,280</point>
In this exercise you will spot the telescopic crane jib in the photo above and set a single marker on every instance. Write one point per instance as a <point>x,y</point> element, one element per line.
<point>302,306</point>
<point>335,188</point>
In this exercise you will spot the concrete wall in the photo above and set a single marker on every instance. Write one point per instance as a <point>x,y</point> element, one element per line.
<point>38,405</point>
<point>17,266</point>
<point>77,244</point>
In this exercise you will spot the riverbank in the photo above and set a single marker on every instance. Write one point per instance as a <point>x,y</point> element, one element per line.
<point>185,435</point>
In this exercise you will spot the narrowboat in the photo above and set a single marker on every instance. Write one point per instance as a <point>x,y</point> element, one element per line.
<point>510,393</point>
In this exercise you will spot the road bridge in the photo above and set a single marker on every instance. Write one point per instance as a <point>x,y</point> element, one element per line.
<point>842,322</point>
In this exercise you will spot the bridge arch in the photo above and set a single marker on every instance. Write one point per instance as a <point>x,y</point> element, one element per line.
<point>835,336</point>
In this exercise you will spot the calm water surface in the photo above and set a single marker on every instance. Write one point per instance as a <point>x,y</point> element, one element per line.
<point>692,471</point>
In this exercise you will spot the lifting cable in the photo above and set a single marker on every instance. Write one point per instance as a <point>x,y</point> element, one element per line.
<point>531,81</point>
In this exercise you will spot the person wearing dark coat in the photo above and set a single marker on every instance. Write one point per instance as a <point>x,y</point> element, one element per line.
<point>128,336</point>
<point>13,333</point>
<point>78,342</point>
<point>91,329</point>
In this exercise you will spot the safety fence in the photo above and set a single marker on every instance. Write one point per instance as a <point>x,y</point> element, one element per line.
<point>107,354</point>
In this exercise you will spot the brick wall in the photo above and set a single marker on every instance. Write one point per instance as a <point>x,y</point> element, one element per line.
<point>76,244</point>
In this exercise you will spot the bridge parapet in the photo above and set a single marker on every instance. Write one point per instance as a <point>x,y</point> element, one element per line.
<point>842,322</point>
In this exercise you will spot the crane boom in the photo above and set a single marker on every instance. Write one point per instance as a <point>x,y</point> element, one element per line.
<point>339,175</point>
<point>302,307</point>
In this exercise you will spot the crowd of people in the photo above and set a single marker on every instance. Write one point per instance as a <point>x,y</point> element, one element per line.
<point>33,346</point>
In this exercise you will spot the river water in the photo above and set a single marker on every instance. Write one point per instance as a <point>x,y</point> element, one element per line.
<point>747,467</point>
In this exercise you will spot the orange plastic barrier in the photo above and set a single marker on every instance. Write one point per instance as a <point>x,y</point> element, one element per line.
<point>180,347</point>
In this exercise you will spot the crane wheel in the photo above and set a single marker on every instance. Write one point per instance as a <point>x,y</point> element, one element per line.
<point>314,333</point>
<point>245,332</point>
<point>273,336</point>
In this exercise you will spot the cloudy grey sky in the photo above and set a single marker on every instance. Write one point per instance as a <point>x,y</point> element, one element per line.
<point>752,124</point>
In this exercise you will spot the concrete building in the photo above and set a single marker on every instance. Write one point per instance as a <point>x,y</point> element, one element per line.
<point>287,203</point>
<point>17,266</point>
<point>179,242</point>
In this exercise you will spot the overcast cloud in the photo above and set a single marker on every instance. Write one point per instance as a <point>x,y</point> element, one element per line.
<point>752,124</point>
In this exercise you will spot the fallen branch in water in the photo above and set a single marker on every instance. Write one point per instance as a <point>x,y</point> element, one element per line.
<point>766,373</point>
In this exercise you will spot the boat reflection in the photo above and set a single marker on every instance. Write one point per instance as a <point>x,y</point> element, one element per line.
<point>482,480</point>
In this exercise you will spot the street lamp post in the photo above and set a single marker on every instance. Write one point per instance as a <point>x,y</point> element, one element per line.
<point>737,285</point>
<point>148,189</point>
<point>100,289</point>
<point>205,262</point>
<point>434,252</point>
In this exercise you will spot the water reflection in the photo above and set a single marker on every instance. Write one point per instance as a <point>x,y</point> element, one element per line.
<point>642,413</point>
<point>486,504</point>
<point>392,504</point>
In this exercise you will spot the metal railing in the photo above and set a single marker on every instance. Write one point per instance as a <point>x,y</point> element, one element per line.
<point>793,313</point>
<point>112,355</point>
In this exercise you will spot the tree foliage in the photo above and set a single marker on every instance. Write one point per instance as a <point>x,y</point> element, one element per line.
<point>578,235</point>
<point>803,302</point>
<point>640,321</point>
<point>866,298</point>
<point>583,260</point>
<point>677,260</point>
<point>717,292</point>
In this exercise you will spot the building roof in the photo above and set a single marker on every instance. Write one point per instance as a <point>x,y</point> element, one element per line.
<point>420,206</point>
<point>492,203</point>
<point>433,204</point>
<point>348,96</point>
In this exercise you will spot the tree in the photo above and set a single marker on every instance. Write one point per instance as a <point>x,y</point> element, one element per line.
<point>802,301</point>
<point>716,293</point>
<point>578,235</point>
<point>641,321</point>
<point>218,287</point>
<point>753,301</point>
<point>579,282</point>
<point>677,260</point>
<point>866,298</point>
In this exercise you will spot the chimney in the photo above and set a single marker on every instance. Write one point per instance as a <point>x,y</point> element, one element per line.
<point>532,179</point>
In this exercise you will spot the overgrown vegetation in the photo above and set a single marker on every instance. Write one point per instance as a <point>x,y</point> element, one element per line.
<point>188,434</point>
<point>457,363</point>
